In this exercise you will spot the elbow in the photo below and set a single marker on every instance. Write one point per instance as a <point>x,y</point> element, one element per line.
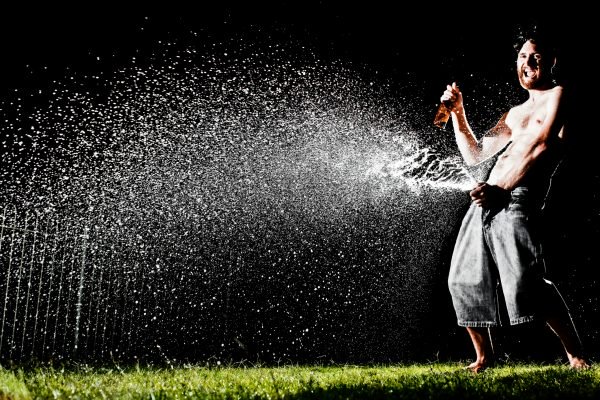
<point>471,159</point>
<point>474,155</point>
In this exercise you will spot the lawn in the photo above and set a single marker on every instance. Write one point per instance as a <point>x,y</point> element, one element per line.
<point>420,381</point>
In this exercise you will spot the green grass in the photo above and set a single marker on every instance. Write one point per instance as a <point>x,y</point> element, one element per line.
<point>423,381</point>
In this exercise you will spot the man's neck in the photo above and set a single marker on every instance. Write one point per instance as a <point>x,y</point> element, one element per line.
<point>534,94</point>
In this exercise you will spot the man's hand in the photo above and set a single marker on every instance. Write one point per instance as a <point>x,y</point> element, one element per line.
<point>489,196</point>
<point>452,97</point>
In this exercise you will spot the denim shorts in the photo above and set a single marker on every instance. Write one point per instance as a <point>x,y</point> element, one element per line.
<point>497,265</point>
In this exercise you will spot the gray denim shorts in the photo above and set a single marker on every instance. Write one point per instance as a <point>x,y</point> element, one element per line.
<point>497,262</point>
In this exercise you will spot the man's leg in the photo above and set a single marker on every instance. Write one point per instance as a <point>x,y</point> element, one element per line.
<point>484,350</point>
<point>472,284</point>
<point>560,322</point>
<point>565,330</point>
<point>520,262</point>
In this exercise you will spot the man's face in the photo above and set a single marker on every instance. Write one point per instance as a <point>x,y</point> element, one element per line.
<point>533,68</point>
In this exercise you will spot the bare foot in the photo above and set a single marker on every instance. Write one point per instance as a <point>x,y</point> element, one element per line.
<point>578,363</point>
<point>477,366</point>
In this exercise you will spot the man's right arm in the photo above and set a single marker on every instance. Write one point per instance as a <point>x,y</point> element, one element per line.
<point>468,145</point>
<point>472,150</point>
<point>465,139</point>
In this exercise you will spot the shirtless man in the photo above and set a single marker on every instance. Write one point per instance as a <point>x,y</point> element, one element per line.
<point>498,245</point>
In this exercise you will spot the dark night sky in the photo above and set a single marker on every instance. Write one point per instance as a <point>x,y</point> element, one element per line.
<point>41,43</point>
<point>427,39</point>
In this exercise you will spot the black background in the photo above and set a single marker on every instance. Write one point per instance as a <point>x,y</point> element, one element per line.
<point>424,38</point>
<point>436,43</point>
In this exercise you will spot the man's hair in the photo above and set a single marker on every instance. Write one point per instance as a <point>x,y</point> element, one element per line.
<point>537,34</point>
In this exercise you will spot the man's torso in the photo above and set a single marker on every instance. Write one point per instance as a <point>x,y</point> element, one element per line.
<point>522,126</point>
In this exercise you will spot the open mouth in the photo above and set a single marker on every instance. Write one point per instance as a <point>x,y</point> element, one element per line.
<point>528,73</point>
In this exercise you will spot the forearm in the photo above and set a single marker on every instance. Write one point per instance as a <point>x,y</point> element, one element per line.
<point>465,139</point>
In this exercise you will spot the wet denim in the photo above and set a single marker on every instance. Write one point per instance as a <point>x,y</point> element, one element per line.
<point>497,262</point>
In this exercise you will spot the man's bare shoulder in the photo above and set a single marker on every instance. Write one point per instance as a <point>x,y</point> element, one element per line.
<point>556,93</point>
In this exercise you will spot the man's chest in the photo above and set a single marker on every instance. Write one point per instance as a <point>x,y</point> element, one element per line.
<point>526,119</point>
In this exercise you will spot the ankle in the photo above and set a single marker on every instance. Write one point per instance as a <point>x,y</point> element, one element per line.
<point>484,360</point>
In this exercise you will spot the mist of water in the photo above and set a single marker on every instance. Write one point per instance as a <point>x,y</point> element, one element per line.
<point>217,202</point>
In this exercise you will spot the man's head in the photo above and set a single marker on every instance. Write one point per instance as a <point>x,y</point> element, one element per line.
<point>536,58</point>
